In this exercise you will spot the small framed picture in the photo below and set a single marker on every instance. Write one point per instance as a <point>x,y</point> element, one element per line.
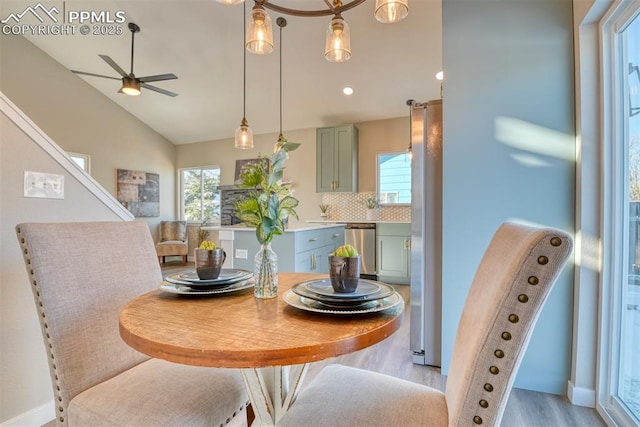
<point>242,164</point>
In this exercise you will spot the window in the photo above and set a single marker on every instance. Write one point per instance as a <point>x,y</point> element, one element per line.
<point>82,160</point>
<point>620,391</point>
<point>394,178</point>
<point>200,198</point>
<point>628,387</point>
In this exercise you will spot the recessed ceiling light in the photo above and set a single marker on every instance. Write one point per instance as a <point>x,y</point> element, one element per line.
<point>347,91</point>
<point>439,75</point>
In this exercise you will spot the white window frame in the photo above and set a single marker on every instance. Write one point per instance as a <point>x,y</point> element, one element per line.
<point>181,195</point>
<point>614,213</point>
<point>85,157</point>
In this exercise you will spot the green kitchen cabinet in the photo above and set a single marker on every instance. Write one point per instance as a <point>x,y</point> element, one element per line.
<point>393,253</point>
<point>337,159</point>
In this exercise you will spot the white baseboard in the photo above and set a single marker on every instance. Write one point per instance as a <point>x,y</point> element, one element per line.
<point>35,417</point>
<point>581,396</point>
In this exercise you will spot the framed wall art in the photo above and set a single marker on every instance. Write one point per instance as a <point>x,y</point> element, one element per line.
<point>241,164</point>
<point>139,192</point>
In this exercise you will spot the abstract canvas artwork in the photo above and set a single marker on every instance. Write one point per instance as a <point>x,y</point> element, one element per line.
<point>139,192</point>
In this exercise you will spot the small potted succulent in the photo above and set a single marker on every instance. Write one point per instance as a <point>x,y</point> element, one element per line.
<point>209,260</point>
<point>344,269</point>
<point>324,210</point>
<point>372,204</point>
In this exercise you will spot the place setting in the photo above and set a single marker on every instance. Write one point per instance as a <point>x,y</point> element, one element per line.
<point>344,292</point>
<point>209,277</point>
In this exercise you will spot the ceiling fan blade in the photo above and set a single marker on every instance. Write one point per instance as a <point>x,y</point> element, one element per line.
<point>157,78</point>
<point>113,64</point>
<point>96,75</point>
<point>157,89</point>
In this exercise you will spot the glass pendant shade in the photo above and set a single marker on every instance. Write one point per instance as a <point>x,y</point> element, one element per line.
<point>230,2</point>
<point>391,11</point>
<point>130,86</point>
<point>337,47</point>
<point>259,32</point>
<point>244,136</point>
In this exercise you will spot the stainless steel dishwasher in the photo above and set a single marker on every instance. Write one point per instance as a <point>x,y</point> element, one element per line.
<point>362,236</point>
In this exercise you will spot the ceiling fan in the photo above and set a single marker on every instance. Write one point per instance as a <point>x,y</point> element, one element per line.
<point>130,83</point>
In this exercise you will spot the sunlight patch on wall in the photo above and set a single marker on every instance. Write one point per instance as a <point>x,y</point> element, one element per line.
<point>535,139</point>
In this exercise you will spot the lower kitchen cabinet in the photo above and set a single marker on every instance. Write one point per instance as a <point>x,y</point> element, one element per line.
<point>393,253</point>
<point>299,251</point>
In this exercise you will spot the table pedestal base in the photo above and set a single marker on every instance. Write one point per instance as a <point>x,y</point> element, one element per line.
<point>272,391</point>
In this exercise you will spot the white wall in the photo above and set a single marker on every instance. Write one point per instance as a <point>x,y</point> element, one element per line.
<point>79,119</point>
<point>24,375</point>
<point>82,120</point>
<point>508,153</point>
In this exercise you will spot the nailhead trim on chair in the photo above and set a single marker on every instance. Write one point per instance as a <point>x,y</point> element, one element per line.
<point>45,326</point>
<point>506,336</point>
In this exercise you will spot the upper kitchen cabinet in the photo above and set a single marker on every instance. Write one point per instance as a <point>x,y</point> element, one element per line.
<point>337,159</point>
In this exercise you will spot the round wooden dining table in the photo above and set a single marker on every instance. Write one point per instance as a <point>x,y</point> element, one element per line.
<point>270,341</point>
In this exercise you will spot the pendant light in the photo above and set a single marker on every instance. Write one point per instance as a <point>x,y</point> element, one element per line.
<point>337,42</point>
<point>337,46</point>
<point>281,22</point>
<point>244,134</point>
<point>260,32</point>
<point>391,11</point>
<point>410,149</point>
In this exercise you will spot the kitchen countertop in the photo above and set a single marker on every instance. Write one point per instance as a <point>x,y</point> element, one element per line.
<point>291,229</point>
<point>331,221</point>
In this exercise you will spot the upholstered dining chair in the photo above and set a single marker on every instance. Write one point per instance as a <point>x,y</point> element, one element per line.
<point>506,296</point>
<point>81,274</point>
<point>173,240</point>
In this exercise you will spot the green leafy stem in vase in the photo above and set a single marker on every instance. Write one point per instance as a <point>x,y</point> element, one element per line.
<point>270,202</point>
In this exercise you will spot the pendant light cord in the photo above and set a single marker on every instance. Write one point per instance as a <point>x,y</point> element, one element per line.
<point>280,80</point>
<point>410,104</point>
<point>281,22</point>
<point>244,63</point>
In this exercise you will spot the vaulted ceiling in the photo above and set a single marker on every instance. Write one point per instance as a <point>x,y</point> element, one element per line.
<point>201,42</point>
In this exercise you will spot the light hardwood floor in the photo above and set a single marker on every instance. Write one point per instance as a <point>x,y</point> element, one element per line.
<point>393,357</point>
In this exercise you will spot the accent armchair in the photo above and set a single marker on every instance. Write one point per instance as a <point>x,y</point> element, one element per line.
<point>173,240</point>
<point>81,274</point>
<point>509,289</point>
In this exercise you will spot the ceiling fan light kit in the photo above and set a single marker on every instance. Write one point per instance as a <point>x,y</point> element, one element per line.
<point>259,35</point>
<point>130,83</point>
<point>130,86</point>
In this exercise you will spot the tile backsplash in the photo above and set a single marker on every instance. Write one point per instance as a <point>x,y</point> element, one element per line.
<point>351,207</point>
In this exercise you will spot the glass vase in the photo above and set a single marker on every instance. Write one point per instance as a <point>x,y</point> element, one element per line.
<point>265,273</point>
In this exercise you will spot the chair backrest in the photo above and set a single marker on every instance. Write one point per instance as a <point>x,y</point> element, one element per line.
<point>508,291</point>
<point>173,231</point>
<point>81,275</point>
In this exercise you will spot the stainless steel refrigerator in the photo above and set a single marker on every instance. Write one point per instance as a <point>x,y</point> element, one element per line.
<point>426,233</point>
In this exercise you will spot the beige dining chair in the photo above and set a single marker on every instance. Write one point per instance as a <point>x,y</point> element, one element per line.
<point>81,274</point>
<point>506,296</point>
